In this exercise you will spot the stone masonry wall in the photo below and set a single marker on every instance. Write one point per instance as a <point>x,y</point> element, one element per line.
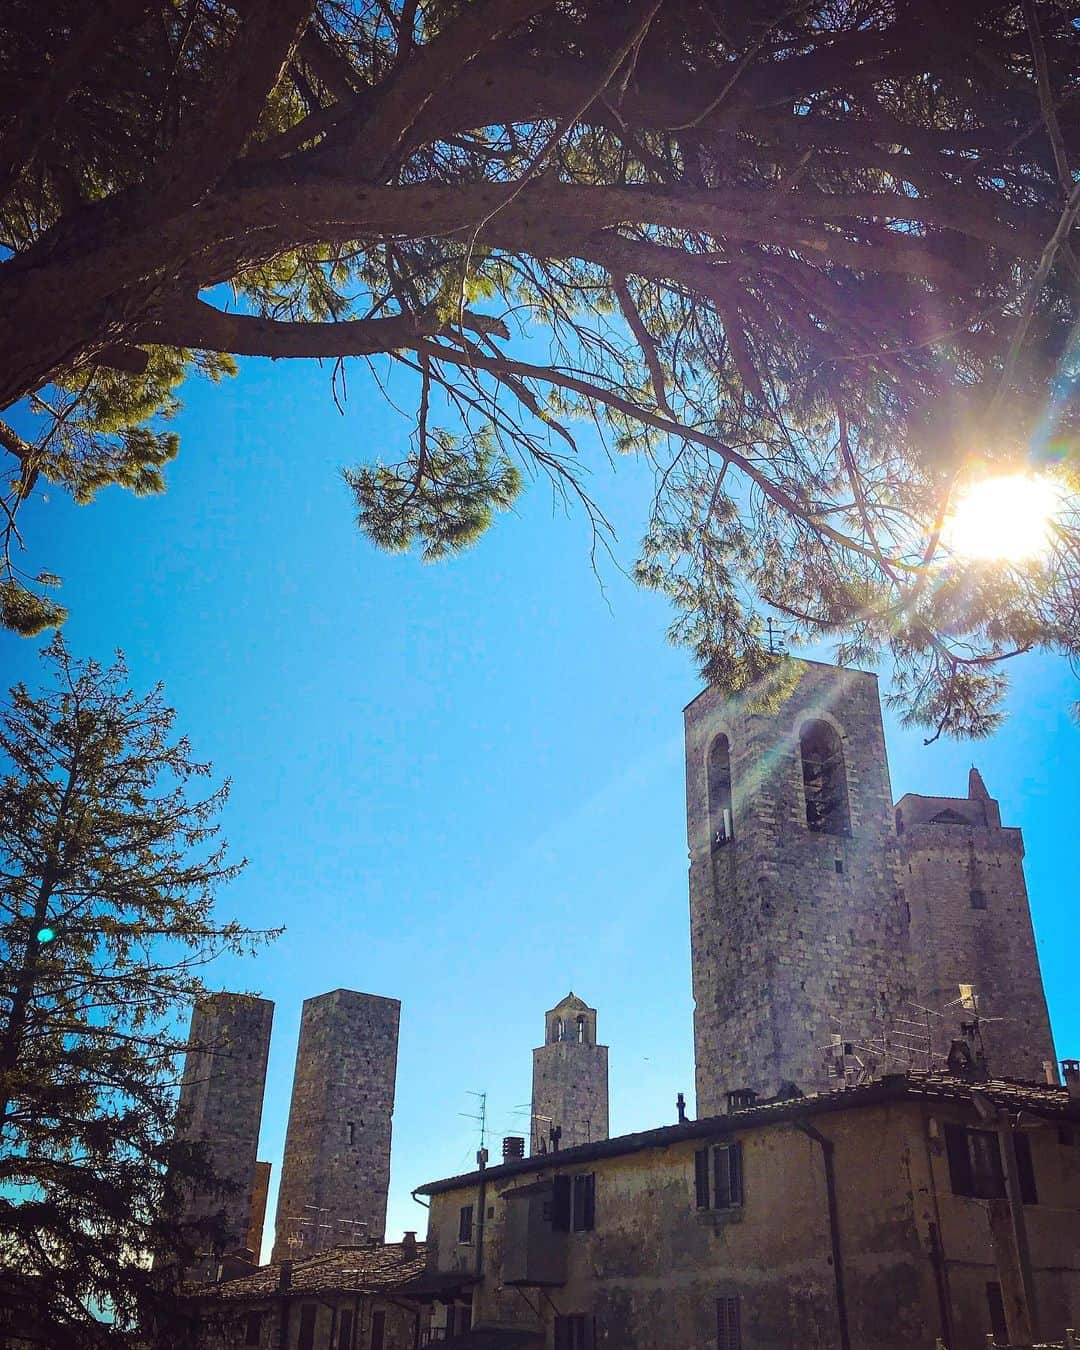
<point>953,941</point>
<point>795,936</point>
<point>221,1097</point>
<point>336,1169</point>
<point>570,1078</point>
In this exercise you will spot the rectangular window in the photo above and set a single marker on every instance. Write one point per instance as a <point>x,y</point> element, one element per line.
<point>253,1329</point>
<point>344,1340</point>
<point>728,1323</point>
<point>978,898</point>
<point>583,1203</point>
<point>378,1330</point>
<point>575,1332</point>
<point>997,1314</point>
<point>573,1203</point>
<point>305,1339</point>
<point>975,1167</point>
<point>464,1233</point>
<point>718,1176</point>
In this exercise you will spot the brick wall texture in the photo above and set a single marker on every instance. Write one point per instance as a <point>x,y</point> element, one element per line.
<point>221,1097</point>
<point>336,1169</point>
<point>795,936</point>
<point>971,924</point>
<point>570,1079</point>
<point>800,936</point>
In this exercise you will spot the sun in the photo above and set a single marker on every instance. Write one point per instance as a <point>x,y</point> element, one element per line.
<point>1006,519</point>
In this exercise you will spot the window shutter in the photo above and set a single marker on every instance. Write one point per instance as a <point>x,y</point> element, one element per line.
<point>735,1173</point>
<point>345,1331</point>
<point>1025,1169</point>
<point>562,1333</point>
<point>721,1177</point>
<point>956,1146</point>
<point>560,1204</point>
<point>701,1178</point>
<point>728,1328</point>
<point>588,1210</point>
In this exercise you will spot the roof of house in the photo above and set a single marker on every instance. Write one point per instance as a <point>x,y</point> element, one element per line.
<point>1036,1098</point>
<point>338,1270</point>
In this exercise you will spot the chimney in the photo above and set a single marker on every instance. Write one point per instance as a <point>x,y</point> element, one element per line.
<point>1070,1069</point>
<point>513,1147</point>
<point>408,1244</point>
<point>680,1106</point>
<point>740,1099</point>
<point>284,1277</point>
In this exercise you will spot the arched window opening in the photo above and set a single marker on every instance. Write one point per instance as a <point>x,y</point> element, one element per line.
<point>558,1029</point>
<point>581,1029</point>
<point>721,822</point>
<point>824,779</point>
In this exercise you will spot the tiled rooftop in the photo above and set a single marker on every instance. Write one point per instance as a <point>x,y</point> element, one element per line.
<point>343,1270</point>
<point>1039,1098</point>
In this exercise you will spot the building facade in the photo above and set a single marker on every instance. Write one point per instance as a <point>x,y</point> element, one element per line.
<point>570,1079</point>
<point>336,1168</point>
<point>880,1217</point>
<point>345,1298</point>
<point>220,1107</point>
<point>963,874</point>
<point>798,928</point>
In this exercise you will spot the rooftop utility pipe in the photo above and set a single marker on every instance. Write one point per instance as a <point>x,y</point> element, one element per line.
<point>828,1149</point>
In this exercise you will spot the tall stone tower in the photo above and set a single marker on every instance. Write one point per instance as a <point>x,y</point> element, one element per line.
<point>336,1170</point>
<point>798,928</point>
<point>221,1098</point>
<point>963,875</point>
<point>570,1079</point>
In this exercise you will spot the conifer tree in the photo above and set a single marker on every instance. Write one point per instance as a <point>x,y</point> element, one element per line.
<point>109,862</point>
<point>816,262</point>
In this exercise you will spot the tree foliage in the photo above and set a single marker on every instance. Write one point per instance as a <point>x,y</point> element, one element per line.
<point>814,261</point>
<point>108,868</point>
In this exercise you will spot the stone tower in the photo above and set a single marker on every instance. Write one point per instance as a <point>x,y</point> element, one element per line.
<point>570,1079</point>
<point>963,874</point>
<point>336,1170</point>
<point>221,1097</point>
<point>798,928</point>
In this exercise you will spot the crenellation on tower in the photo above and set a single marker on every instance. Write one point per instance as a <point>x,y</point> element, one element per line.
<point>336,1170</point>
<point>220,1106</point>
<point>971,925</point>
<point>570,1079</point>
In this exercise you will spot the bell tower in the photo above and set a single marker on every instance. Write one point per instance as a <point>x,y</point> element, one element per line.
<point>798,928</point>
<point>570,1080</point>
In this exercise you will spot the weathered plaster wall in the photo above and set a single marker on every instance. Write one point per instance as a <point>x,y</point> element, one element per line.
<point>336,1167</point>
<point>654,1265</point>
<point>221,1097</point>
<point>795,936</point>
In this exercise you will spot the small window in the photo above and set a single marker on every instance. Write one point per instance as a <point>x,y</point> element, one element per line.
<point>838,865</point>
<point>721,822</point>
<point>253,1329</point>
<point>352,1133</point>
<point>575,1332</point>
<point>378,1330</point>
<point>581,1029</point>
<point>344,1340</point>
<point>718,1176</point>
<point>824,779</point>
<point>996,1305</point>
<point>978,898</point>
<point>974,1162</point>
<point>573,1203</point>
<point>728,1323</point>
<point>305,1339</point>
<point>465,1224</point>
<point>558,1029</point>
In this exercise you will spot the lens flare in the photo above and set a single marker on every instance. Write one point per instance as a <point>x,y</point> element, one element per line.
<point>1005,519</point>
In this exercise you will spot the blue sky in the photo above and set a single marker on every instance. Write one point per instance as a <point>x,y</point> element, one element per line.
<point>458,785</point>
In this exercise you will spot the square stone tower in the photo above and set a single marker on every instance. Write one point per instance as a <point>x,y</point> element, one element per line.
<point>570,1079</point>
<point>798,928</point>
<point>336,1170</point>
<point>963,875</point>
<point>221,1099</point>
